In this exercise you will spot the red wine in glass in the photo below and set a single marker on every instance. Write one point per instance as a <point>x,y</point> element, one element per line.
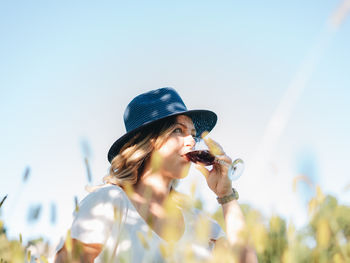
<point>201,157</point>
<point>206,158</point>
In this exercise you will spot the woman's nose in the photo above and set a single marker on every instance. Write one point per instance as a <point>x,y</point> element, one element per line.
<point>190,141</point>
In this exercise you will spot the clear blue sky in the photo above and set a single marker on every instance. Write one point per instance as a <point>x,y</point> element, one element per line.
<point>68,70</point>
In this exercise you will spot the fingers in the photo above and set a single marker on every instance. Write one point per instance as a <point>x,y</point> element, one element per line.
<point>214,147</point>
<point>222,164</point>
<point>223,160</point>
<point>203,170</point>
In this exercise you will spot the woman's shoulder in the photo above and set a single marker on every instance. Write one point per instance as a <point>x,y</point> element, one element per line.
<point>106,189</point>
<point>98,213</point>
<point>110,190</point>
<point>105,194</point>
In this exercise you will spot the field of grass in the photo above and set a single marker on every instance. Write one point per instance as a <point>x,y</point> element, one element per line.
<point>326,237</point>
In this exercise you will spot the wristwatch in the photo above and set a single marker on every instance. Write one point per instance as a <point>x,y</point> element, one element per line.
<point>228,198</point>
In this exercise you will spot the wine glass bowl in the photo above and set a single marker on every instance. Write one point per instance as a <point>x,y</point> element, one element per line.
<point>236,169</point>
<point>203,157</point>
<point>206,158</point>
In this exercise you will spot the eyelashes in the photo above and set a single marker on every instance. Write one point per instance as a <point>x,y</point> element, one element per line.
<point>178,130</point>
<point>181,131</point>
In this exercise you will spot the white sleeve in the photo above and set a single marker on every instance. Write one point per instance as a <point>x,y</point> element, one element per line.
<point>94,221</point>
<point>215,230</point>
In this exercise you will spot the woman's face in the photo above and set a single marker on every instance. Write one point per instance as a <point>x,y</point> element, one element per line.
<point>180,141</point>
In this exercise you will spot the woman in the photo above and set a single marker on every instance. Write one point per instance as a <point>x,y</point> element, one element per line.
<point>137,216</point>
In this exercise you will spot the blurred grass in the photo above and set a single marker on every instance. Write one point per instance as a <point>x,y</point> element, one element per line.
<point>325,238</point>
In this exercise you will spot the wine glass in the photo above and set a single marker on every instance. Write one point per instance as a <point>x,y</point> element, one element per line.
<point>203,156</point>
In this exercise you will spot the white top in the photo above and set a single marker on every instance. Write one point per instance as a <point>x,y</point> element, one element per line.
<point>108,217</point>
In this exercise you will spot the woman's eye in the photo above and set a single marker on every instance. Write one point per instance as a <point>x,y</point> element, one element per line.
<point>178,130</point>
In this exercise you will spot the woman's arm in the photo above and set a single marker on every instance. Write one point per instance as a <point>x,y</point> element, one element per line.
<point>81,253</point>
<point>234,221</point>
<point>219,182</point>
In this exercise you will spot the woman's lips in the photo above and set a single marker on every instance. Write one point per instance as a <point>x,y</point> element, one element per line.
<point>185,157</point>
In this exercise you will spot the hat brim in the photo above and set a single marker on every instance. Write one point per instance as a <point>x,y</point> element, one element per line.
<point>203,121</point>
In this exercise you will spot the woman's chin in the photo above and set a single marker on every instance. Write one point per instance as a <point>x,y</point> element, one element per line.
<point>185,170</point>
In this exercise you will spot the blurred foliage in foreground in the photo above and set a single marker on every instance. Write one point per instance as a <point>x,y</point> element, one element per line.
<point>326,237</point>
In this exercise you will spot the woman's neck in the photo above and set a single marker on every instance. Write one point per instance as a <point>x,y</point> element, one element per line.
<point>153,186</point>
<point>152,200</point>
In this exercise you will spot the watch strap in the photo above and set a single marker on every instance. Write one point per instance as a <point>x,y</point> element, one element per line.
<point>228,198</point>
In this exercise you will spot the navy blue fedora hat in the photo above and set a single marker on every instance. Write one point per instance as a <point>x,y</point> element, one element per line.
<point>156,105</point>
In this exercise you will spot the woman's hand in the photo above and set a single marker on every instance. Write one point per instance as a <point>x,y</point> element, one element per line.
<point>81,252</point>
<point>217,178</point>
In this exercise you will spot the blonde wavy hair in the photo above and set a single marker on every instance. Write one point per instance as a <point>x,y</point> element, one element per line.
<point>127,167</point>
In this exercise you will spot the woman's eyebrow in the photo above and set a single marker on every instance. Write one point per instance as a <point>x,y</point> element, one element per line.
<point>185,126</point>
